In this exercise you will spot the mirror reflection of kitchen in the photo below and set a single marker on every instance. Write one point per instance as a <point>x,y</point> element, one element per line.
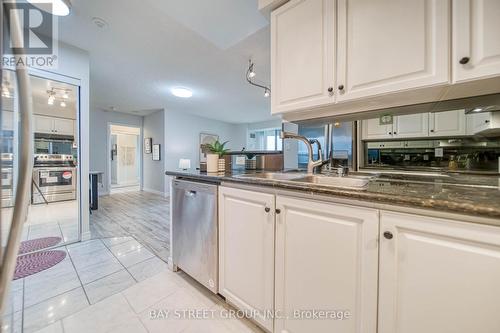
<point>53,216</point>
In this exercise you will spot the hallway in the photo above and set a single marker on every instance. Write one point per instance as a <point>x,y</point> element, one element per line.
<point>141,215</point>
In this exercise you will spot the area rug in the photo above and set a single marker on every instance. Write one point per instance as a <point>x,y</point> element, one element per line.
<point>36,262</point>
<point>38,244</point>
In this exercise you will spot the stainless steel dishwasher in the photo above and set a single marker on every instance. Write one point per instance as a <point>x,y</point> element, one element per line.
<point>194,226</point>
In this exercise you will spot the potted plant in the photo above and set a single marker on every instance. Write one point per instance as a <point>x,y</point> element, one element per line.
<point>215,160</point>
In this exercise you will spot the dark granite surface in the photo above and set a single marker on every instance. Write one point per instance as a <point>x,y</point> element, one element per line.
<point>463,194</point>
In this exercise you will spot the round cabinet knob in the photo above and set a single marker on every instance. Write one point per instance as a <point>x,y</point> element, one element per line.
<point>267,209</point>
<point>464,60</point>
<point>390,133</point>
<point>388,235</point>
<point>487,121</point>
<point>395,133</point>
<point>278,211</point>
<point>432,131</point>
<point>330,90</point>
<point>341,87</point>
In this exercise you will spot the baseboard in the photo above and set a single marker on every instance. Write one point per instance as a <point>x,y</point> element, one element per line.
<point>149,190</point>
<point>86,236</point>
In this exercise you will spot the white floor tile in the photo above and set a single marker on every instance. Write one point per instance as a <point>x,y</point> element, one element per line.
<point>12,323</point>
<point>150,291</point>
<point>147,268</point>
<point>52,328</point>
<point>113,314</point>
<point>116,240</point>
<point>131,252</point>
<point>180,301</point>
<point>108,286</point>
<point>94,271</point>
<point>48,312</point>
<point>85,248</point>
<point>50,282</point>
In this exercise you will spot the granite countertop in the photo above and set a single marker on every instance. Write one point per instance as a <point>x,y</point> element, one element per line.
<point>478,196</point>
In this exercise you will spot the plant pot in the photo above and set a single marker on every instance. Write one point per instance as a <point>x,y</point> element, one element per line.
<point>222,165</point>
<point>212,163</point>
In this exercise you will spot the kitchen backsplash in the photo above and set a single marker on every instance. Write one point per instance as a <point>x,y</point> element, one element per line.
<point>467,155</point>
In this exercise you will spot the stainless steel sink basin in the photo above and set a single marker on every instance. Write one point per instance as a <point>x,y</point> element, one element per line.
<point>273,175</point>
<point>350,182</point>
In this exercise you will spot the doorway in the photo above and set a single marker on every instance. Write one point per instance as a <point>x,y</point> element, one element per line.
<point>125,157</point>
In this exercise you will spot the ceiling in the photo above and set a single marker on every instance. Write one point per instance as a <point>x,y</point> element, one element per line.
<point>150,46</point>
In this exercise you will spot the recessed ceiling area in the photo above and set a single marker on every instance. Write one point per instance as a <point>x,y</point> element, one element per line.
<point>148,47</point>
<point>222,22</point>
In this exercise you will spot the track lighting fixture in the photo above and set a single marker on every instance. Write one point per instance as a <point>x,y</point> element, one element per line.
<point>251,74</point>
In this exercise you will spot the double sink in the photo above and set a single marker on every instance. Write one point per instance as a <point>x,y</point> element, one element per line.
<point>356,182</point>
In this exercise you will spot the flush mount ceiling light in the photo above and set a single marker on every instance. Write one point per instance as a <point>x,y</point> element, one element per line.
<point>251,74</point>
<point>58,8</point>
<point>181,92</point>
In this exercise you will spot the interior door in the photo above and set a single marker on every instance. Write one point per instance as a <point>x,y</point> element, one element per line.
<point>476,46</point>
<point>386,46</point>
<point>302,56</point>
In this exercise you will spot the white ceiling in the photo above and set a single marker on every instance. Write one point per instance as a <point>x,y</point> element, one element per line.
<point>150,46</point>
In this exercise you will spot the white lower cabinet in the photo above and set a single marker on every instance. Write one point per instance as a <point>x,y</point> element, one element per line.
<point>246,251</point>
<point>438,276</point>
<point>326,259</point>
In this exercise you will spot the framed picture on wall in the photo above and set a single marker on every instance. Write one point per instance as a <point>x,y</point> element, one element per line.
<point>156,152</point>
<point>205,140</point>
<point>147,145</point>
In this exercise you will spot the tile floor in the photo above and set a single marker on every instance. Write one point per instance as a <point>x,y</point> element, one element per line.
<point>92,271</point>
<point>127,290</point>
<point>56,219</point>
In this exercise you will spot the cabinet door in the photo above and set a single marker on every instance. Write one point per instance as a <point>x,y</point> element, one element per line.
<point>373,130</point>
<point>447,123</point>
<point>44,124</point>
<point>386,46</point>
<point>476,42</point>
<point>478,122</point>
<point>246,251</point>
<point>438,276</point>
<point>411,126</point>
<point>326,259</point>
<point>302,56</point>
<point>64,126</point>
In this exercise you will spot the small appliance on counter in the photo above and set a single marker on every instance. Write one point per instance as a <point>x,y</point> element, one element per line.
<point>54,178</point>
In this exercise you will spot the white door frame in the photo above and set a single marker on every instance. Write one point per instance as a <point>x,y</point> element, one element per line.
<point>108,151</point>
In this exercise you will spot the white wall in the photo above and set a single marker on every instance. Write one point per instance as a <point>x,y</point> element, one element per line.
<point>154,171</point>
<point>99,153</point>
<point>182,137</point>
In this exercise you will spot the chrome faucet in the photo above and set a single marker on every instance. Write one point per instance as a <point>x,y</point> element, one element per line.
<point>311,163</point>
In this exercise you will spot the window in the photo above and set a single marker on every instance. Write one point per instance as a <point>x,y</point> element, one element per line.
<point>267,139</point>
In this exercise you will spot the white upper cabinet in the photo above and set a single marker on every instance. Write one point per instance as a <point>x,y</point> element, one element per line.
<point>246,251</point>
<point>438,276</point>
<point>386,46</point>
<point>476,39</point>
<point>52,125</point>
<point>373,130</point>
<point>64,126</point>
<point>447,123</point>
<point>413,125</point>
<point>484,123</point>
<point>302,55</point>
<point>326,258</point>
